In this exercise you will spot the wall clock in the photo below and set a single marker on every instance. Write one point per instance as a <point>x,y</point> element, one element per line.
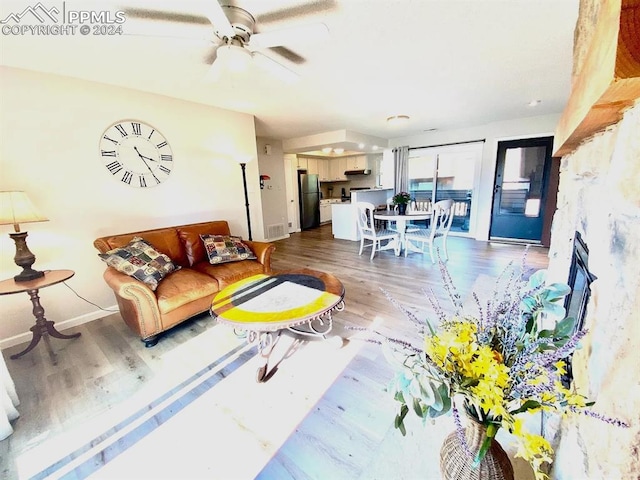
<point>136,153</point>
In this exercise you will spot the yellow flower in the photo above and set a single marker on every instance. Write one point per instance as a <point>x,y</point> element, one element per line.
<point>533,448</point>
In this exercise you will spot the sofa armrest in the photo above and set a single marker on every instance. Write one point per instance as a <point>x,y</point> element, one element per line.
<point>138,303</point>
<point>263,251</point>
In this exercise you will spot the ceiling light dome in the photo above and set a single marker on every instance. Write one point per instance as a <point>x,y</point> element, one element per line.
<point>234,58</point>
<point>339,151</point>
<point>397,120</point>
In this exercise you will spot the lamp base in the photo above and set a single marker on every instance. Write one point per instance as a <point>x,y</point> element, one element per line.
<point>28,275</point>
<point>24,258</point>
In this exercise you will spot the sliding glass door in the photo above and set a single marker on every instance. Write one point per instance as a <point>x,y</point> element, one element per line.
<point>439,173</point>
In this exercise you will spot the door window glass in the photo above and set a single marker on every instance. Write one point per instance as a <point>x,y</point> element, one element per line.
<point>522,181</point>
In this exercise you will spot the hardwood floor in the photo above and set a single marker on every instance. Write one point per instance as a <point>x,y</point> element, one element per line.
<point>108,364</point>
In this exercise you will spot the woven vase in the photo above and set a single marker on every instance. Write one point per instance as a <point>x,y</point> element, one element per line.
<point>457,464</point>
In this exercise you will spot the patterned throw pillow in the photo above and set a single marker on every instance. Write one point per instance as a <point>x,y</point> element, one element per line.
<point>141,261</point>
<point>224,248</point>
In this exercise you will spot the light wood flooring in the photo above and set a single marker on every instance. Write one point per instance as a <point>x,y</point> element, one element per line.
<point>108,364</point>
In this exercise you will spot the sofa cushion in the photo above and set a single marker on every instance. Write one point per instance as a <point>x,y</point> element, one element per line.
<point>165,240</point>
<point>228,273</point>
<point>190,237</point>
<point>184,287</point>
<point>226,248</point>
<point>140,260</point>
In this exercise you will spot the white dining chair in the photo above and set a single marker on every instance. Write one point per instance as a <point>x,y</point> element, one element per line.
<point>440,224</point>
<point>368,231</point>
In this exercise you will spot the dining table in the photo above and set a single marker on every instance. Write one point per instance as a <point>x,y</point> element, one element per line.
<point>401,225</point>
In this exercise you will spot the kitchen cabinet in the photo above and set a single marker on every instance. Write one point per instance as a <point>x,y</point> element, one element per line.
<point>325,213</point>
<point>358,162</point>
<point>323,170</point>
<point>302,163</point>
<point>337,168</point>
<point>312,166</point>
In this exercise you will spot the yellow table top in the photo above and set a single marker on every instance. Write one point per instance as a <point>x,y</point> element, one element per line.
<point>281,300</point>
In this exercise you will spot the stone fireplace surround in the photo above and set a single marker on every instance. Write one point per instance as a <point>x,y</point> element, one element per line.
<point>598,140</point>
<point>599,197</point>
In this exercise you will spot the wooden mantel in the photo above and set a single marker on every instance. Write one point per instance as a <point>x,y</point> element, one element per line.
<point>609,80</point>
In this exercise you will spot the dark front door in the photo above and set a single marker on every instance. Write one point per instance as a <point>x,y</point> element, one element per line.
<point>522,175</point>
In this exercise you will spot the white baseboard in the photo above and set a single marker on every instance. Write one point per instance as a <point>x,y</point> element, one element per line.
<point>61,326</point>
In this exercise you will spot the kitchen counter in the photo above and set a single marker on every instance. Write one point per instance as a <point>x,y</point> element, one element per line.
<point>344,221</point>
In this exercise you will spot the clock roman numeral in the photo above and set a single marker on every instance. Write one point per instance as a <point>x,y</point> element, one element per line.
<point>143,181</point>
<point>166,158</point>
<point>163,144</point>
<point>136,128</point>
<point>149,137</point>
<point>109,153</point>
<point>114,167</point>
<point>121,129</point>
<point>110,139</point>
<point>126,178</point>
<point>164,169</point>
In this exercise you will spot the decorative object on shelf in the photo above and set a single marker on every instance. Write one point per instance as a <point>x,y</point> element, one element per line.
<point>243,166</point>
<point>402,199</point>
<point>136,153</point>
<point>16,208</point>
<point>499,363</point>
<point>455,464</point>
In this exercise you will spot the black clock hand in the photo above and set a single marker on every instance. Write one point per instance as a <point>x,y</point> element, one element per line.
<point>142,156</point>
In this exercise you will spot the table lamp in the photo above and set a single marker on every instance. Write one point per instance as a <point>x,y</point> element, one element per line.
<point>16,208</point>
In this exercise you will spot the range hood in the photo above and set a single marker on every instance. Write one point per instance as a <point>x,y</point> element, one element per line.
<point>358,172</point>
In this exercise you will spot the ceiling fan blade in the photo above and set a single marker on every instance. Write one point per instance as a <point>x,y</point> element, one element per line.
<point>219,20</point>
<point>297,35</point>
<point>276,69</point>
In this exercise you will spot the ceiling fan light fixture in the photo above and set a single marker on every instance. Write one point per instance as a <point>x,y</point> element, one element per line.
<point>326,150</point>
<point>397,120</point>
<point>338,151</point>
<point>234,58</point>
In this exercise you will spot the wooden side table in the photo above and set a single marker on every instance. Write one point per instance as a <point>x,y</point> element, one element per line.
<point>43,327</point>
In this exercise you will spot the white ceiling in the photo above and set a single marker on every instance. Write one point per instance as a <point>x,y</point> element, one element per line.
<point>447,64</point>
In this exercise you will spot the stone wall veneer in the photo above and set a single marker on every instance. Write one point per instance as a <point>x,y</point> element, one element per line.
<point>599,196</point>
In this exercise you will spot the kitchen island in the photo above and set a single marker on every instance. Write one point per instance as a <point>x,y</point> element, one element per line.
<point>344,223</point>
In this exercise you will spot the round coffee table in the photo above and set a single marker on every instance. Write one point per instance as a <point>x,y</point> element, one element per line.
<point>301,301</point>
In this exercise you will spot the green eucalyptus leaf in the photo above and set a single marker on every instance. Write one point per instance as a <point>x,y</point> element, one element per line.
<point>531,323</point>
<point>546,333</point>
<point>528,405</point>
<point>556,291</point>
<point>417,407</point>
<point>564,327</point>
<point>538,278</point>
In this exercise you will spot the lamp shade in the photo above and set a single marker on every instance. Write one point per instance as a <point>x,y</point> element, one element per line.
<point>16,208</point>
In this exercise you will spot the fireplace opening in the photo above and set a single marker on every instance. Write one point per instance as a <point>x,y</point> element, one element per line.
<point>575,303</point>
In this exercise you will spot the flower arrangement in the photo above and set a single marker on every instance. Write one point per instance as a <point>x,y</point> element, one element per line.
<point>401,198</point>
<point>500,362</point>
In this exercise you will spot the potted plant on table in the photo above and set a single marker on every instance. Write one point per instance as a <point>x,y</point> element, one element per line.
<point>401,199</point>
<point>495,365</point>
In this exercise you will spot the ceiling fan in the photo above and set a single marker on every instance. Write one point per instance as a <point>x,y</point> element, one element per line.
<point>236,42</point>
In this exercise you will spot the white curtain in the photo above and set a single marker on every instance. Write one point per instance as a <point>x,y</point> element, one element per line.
<point>401,169</point>
<point>8,400</point>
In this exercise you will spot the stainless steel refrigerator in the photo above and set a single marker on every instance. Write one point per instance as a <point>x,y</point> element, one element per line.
<point>309,189</point>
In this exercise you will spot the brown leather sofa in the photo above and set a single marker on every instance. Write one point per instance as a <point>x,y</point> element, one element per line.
<point>185,292</point>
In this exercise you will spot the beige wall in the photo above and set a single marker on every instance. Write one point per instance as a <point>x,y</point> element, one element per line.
<point>50,128</point>
<point>274,194</point>
<point>537,126</point>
